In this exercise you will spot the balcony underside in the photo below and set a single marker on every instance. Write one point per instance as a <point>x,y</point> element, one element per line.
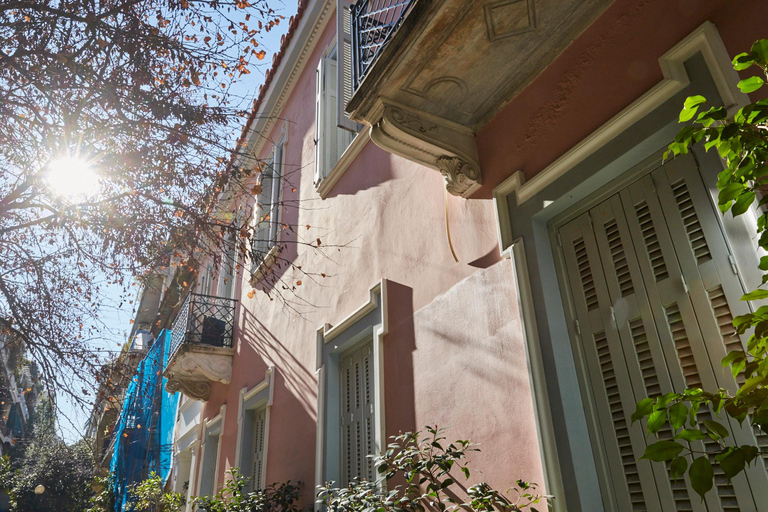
<point>194,367</point>
<point>451,65</point>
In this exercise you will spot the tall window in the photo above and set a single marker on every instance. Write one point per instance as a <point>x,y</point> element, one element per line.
<point>267,211</point>
<point>357,414</point>
<point>334,131</point>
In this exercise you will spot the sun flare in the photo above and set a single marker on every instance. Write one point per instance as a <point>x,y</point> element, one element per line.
<point>73,178</point>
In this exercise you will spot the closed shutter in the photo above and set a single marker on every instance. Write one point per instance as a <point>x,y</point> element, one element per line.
<point>331,140</point>
<point>274,206</point>
<point>259,428</point>
<point>357,415</point>
<point>344,69</point>
<point>666,283</point>
<point>263,210</point>
<point>319,122</point>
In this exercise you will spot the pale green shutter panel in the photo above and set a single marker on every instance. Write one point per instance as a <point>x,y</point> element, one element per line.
<point>259,430</point>
<point>643,353</point>
<point>274,206</point>
<point>632,482</point>
<point>676,301</point>
<point>344,69</point>
<point>357,415</point>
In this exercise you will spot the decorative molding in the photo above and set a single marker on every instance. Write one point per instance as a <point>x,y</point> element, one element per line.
<point>431,141</point>
<point>194,367</point>
<point>286,77</point>
<point>194,389</point>
<point>705,40</point>
<point>496,13</point>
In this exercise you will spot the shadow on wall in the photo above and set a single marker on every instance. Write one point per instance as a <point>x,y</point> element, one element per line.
<point>371,168</point>
<point>399,345</point>
<point>257,339</point>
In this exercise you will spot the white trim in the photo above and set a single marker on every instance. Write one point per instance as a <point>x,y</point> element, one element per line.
<point>704,39</point>
<point>243,397</point>
<point>312,24</point>
<point>553,481</point>
<point>207,425</point>
<point>377,297</point>
<point>380,288</point>
<point>358,143</point>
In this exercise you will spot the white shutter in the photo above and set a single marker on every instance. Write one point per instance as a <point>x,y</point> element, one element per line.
<point>653,294</point>
<point>332,132</point>
<point>631,480</point>
<point>274,209</point>
<point>259,428</point>
<point>344,69</point>
<point>319,122</point>
<point>262,214</point>
<point>357,415</point>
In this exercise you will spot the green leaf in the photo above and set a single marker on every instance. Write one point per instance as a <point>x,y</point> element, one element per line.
<point>677,415</point>
<point>694,101</point>
<point>662,450</point>
<point>702,476</point>
<point>751,84</point>
<point>687,114</point>
<point>691,435</point>
<point>643,408</point>
<point>735,355</point>
<point>750,453</point>
<point>756,295</point>
<point>742,61</point>
<point>732,463</point>
<point>716,429</point>
<point>732,191</point>
<point>656,420</point>
<point>678,467</point>
<point>743,203</point>
<point>759,51</point>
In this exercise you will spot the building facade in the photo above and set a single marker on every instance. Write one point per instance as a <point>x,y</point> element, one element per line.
<point>463,219</point>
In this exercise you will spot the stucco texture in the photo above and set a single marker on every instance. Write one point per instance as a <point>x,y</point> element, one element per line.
<point>454,355</point>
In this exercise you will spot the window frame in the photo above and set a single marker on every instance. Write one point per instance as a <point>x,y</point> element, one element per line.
<point>366,324</point>
<point>251,401</point>
<point>212,428</point>
<point>268,252</point>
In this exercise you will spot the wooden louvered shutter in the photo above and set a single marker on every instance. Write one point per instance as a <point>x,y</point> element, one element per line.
<point>634,321</point>
<point>319,122</point>
<point>259,428</point>
<point>274,200</point>
<point>631,480</point>
<point>357,414</point>
<point>344,69</point>
<point>683,307</point>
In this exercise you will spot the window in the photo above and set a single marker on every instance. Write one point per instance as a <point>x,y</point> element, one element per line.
<point>357,414</point>
<point>228,269</point>
<point>267,211</point>
<point>350,395</point>
<point>334,131</point>
<point>209,473</point>
<point>253,431</point>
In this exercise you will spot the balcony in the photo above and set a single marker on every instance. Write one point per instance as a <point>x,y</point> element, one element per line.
<point>201,346</point>
<point>428,74</point>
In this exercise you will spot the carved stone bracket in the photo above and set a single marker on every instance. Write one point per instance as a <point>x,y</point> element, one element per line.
<point>194,367</point>
<point>195,389</point>
<point>431,141</point>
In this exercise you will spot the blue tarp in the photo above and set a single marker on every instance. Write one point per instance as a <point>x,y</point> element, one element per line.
<point>144,431</point>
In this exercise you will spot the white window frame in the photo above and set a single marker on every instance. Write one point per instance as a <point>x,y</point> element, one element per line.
<point>335,133</point>
<point>259,397</point>
<point>210,437</point>
<point>367,323</point>
<point>269,251</point>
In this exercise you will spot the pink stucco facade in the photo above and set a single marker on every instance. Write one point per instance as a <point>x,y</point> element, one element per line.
<point>455,352</point>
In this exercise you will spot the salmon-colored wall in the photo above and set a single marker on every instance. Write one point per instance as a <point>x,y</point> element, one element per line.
<point>454,355</point>
<point>610,65</point>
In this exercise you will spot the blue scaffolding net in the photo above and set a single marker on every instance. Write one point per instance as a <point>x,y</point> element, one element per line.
<point>144,431</point>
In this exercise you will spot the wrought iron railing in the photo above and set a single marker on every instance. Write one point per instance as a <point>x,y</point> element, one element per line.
<point>204,320</point>
<point>373,22</point>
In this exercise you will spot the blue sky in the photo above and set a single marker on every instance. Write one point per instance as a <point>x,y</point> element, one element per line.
<point>116,318</point>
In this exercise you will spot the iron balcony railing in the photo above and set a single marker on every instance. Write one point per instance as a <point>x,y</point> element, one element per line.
<point>204,320</point>
<point>373,23</point>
